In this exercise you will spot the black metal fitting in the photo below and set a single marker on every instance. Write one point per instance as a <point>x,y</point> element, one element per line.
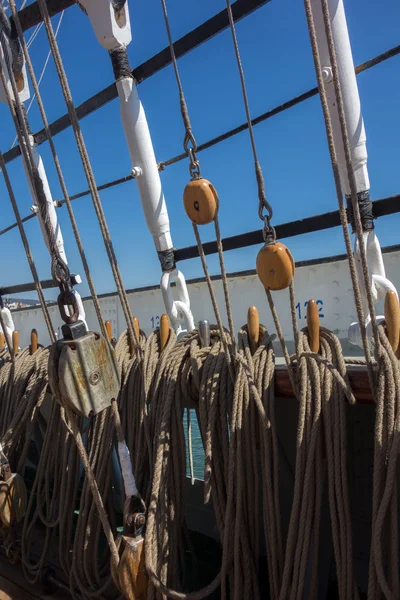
<point>167,260</point>
<point>73,331</point>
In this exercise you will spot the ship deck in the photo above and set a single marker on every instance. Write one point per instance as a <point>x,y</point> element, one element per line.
<point>13,585</point>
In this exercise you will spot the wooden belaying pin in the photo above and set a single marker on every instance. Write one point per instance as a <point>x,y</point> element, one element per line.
<point>15,342</point>
<point>392,318</point>
<point>200,200</point>
<point>164,331</point>
<point>137,331</point>
<point>2,340</point>
<point>34,341</point>
<point>313,325</point>
<point>275,266</point>
<point>253,328</point>
<point>108,325</point>
<point>136,326</point>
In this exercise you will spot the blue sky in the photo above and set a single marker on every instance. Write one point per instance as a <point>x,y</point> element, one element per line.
<point>292,146</point>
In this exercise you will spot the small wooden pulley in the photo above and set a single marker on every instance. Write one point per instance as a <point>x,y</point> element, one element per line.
<point>200,200</point>
<point>275,266</point>
<point>13,496</point>
<point>392,318</point>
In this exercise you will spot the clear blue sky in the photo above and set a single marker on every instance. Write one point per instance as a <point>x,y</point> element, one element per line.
<point>292,146</point>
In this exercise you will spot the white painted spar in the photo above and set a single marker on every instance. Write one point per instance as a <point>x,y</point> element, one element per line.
<point>52,214</point>
<point>351,98</point>
<point>327,282</point>
<point>112,28</point>
<point>51,210</point>
<point>147,177</point>
<point>142,156</point>
<point>380,284</point>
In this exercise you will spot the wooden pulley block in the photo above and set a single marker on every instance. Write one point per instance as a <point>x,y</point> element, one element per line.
<point>83,371</point>
<point>200,200</point>
<point>13,497</point>
<point>392,318</point>
<point>313,325</point>
<point>275,266</point>
<point>131,577</point>
<point>2,340</point>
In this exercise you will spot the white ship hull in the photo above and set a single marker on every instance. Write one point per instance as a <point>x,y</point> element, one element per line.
<point>327,281</point>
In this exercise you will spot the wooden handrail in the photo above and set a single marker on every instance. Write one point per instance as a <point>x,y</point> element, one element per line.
<point>358,377</point>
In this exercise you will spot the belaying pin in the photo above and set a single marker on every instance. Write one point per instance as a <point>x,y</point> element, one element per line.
<point>253,328</point>
<point>200,200</point>
<point>204,333</point>
<point>275,266</point>
<point>392,318</point>
<point>15,342</point>
<point>34,341</point>
<point>313,325</point>
<point>164,331</point>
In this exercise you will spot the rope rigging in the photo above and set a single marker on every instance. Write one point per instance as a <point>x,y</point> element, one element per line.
<point>109,487</point>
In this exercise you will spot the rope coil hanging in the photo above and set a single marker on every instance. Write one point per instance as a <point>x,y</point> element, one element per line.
<point>231,386</point>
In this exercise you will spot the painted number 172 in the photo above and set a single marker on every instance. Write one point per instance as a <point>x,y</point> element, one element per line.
<point>304,315</point>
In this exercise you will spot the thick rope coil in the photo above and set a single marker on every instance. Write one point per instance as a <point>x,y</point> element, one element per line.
<point>323,387</point>
<point>229,421</point>
<point>384,567</point>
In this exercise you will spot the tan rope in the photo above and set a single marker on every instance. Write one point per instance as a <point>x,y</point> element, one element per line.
<point>384,569</point>
<point>323,387</point>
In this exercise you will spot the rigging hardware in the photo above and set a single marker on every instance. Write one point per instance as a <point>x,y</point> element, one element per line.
<point>83,372</point>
